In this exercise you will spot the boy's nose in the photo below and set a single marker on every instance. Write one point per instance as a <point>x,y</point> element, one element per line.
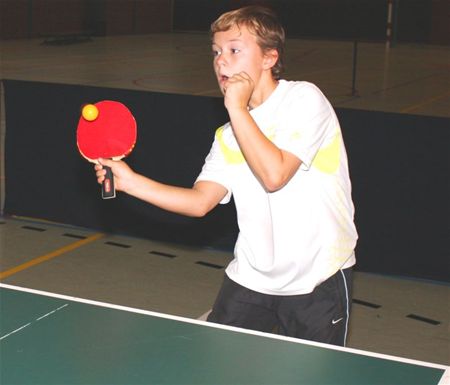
<point>221,59</point>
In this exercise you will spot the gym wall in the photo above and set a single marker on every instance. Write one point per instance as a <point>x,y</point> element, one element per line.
<point>399,167</point>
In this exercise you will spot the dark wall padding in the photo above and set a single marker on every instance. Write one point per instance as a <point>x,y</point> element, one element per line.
<point>351,19</point>
<point>47,177</point>
<point>400,170</point>
<point>325,19</point>
<point>399,166</point>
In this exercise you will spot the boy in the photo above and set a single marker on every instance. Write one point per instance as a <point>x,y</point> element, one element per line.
<point>283,159</point>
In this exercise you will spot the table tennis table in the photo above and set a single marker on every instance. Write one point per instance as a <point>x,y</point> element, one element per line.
<point>46,338</point>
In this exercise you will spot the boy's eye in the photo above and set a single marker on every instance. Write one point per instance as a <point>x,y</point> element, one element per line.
<point>216,52</point>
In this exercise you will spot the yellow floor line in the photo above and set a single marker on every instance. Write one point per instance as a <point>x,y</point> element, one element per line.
<point>424,103</point>
<point>53,254</point>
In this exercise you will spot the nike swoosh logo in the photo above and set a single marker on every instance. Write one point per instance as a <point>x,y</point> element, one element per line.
<point>336,321</point>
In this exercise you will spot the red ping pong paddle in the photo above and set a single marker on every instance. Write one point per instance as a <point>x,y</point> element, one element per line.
<point>106,129</point>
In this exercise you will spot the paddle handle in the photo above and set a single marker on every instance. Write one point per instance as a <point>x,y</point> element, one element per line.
<point>108,190</point>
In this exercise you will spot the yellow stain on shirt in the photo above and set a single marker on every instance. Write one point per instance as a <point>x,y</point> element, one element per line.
<point>327,159</point>
<point>231,156</point>
<point>235,156</point>
<point>296,135</point>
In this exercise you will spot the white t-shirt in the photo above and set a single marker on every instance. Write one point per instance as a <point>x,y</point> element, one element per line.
<point>295,238</point>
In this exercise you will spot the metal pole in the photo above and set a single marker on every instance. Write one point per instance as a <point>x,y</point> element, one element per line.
<point>389,25</point>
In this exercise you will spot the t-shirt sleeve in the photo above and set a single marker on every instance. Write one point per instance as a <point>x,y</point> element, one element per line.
<point>306,123</point>
<point>214,169</point>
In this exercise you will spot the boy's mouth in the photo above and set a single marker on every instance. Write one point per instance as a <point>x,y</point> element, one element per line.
<point>222,81</point>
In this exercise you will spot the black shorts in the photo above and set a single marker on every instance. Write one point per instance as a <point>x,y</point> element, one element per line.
<point>320,316</point>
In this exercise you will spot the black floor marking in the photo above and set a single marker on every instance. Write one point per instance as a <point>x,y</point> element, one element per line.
<point>207,264</point>
<point>117,244</point>
<point>365,303</point>
<point>74,236</point>
<point>423,319</point>
<point>162,254</point>
<point>33,228</point>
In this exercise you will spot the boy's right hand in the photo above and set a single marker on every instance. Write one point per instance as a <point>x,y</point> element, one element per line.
<point>238,91</point>
<point>123,174</point>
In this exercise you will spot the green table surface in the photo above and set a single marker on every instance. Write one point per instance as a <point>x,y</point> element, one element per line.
<point>79,343</point>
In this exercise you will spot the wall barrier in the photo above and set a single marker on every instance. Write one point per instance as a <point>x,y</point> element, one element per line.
<point>399,166</point>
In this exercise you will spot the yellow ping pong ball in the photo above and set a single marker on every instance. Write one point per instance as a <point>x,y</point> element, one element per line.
<point>89,112</point>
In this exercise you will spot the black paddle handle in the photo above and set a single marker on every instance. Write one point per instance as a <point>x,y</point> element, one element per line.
<point>108,190</point>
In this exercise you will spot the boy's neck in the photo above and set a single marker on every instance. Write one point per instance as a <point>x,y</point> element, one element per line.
<point>261,94</point>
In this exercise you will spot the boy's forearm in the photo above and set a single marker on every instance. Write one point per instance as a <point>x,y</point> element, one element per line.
<point>267,161</point>
<point>180,200</point>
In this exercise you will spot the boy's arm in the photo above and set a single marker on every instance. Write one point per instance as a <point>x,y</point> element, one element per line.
<point>273,166</point>
<point>196,201</point>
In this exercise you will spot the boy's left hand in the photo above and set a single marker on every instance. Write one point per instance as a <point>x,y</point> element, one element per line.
<point>237,91</point>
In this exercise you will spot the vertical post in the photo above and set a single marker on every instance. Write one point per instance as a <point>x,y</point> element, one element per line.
<point>394,22</point>
<point>355,55</point>
<point>389,25</point>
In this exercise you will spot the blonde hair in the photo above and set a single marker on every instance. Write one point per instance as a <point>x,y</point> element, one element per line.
<point>263,23</point>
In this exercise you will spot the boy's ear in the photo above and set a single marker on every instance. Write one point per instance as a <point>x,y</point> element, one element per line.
<point>270,58</point>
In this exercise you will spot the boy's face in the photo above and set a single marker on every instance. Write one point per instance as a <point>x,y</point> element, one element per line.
<point>237,50</point>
